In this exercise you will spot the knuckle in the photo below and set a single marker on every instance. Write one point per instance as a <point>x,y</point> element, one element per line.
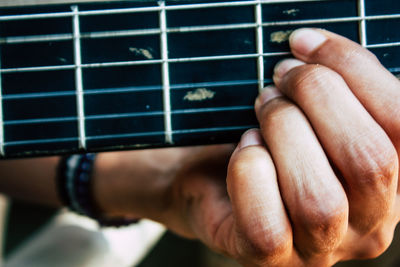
<point>269,246</point>
<point>378,163</point>
<point>247,160</point>
<point>353,54</point>
<point>326,225</point>
<point>276,112</point>
<point>377,244</point>
<point>371,56</point>
<point>310,81</point>
<point>374,167</point>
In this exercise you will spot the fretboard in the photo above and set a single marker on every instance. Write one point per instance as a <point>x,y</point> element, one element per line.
<point>135,74</point>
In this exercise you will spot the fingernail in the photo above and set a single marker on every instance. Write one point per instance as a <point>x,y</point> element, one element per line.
<point>284,67</point>
<point>251,137</point>
<point>269,93</point>
<point>305,41</point>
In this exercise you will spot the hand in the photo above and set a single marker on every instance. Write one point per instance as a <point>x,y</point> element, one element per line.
<point>333,136</point>
<point>318,183</point>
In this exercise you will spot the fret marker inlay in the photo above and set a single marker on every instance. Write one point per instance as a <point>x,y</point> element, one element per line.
<point>165,73</point>
<point>78,78</point>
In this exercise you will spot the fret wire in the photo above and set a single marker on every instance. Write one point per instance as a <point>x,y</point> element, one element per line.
<point>127,115</point>
<point>362,23</point>
<point>165,73</point>
<point>1,115</point>
<point>78,79</point>
<point>148,9</point>
<point>141,32</point>
<point>259,46</point>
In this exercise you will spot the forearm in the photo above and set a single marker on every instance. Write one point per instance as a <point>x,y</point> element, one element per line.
<point>130,183</point>
<point>30,179</point>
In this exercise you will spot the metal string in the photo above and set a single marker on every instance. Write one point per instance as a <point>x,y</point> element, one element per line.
<point>130,135</point>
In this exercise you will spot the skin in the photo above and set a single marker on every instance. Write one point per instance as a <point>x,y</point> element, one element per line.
<point>316,184</point>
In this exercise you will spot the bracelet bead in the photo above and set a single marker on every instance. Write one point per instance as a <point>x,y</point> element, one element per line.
<point>74,186</point>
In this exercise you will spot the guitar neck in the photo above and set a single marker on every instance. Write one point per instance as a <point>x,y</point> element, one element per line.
<point>134,74</point>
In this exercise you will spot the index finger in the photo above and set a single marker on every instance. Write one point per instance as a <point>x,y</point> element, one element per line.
<point>375,87</point>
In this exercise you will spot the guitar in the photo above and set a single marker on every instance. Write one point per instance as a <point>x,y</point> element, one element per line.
<point>132,74</point>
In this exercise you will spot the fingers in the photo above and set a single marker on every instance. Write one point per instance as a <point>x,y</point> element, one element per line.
<point>371,83</point>
<point>260,215</point>
<point>341,119</point>
<point>355,143</point>
<point>315,200</point>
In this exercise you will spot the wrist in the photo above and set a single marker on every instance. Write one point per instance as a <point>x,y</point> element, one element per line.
<point>135,184</point>
<point>108,188</point>
<point>75,186</point>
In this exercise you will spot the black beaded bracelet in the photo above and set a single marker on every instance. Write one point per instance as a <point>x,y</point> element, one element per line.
<point>74,185</point>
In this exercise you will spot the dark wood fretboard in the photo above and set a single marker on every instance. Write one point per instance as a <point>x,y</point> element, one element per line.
<point>133,74</point>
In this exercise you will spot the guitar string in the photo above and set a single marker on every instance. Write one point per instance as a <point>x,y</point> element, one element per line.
<point>142,62</point>
<point>190,29</point>
<point>127,115</point>
<point>151,9</point>
<point>130,89</point>
<point>130,135</point>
